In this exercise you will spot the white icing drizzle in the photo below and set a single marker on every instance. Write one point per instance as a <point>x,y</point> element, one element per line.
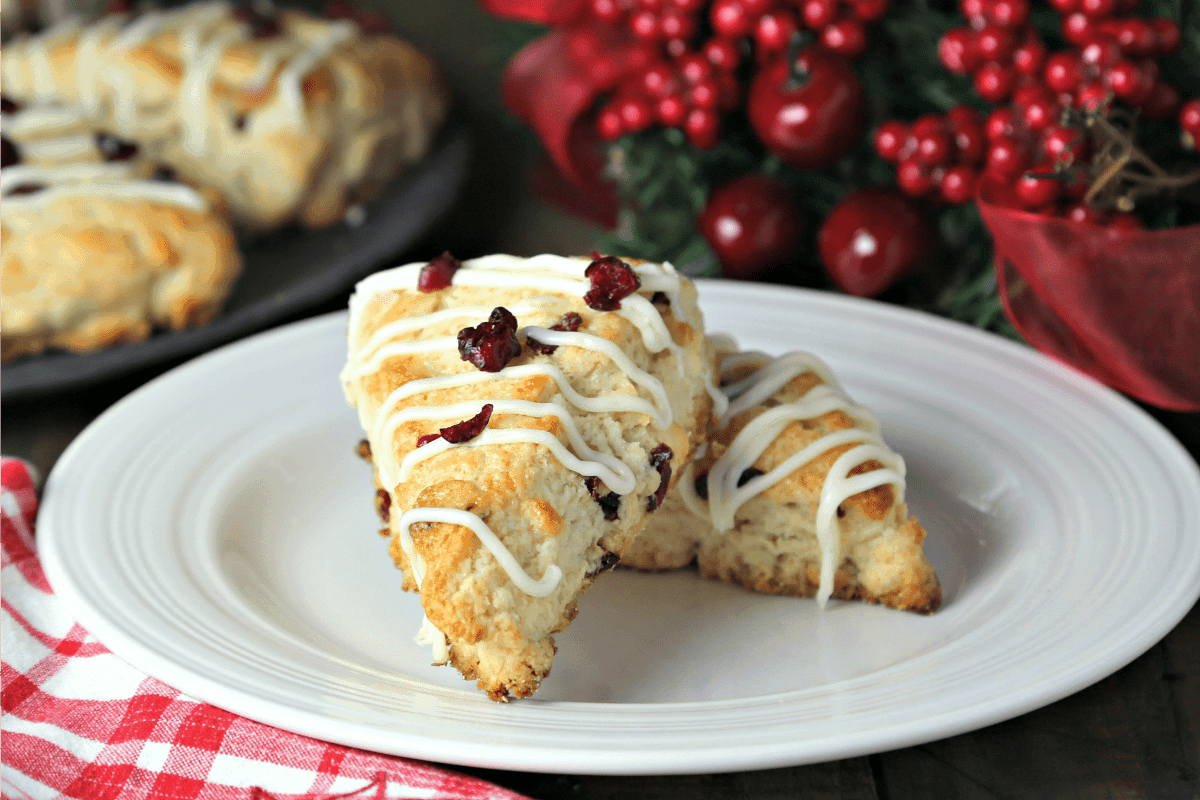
<point>94,180</point>
<point>39,119</point>
<point>206,31</point>
<point>548,273</point>
<point>69,148</point>
<point>724,494</point>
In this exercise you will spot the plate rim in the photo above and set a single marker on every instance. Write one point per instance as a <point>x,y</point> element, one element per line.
<point>759,755</point>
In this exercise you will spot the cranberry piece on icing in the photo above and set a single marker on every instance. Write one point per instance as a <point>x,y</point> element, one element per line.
<point>460,431</point>
<point>9,154</point>
<point>9,106</point>
<point>113,149</point>
<point>612,281</point>
<point>609,503</point>
<point>439,273</point>
<point>660,459</point>
<point>492,344</point>
<point>570,322</point>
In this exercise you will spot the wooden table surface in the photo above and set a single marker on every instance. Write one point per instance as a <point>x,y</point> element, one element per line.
<point>1135,734</point>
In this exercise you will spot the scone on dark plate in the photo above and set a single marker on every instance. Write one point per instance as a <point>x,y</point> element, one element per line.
<point>98,245</point>
<point>289,116</point>
<point>795,494</point>
<point>524,418</point>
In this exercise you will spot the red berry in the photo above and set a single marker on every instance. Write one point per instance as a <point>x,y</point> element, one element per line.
<point>976,11</point>
<point>675,24</point>
<point>818,13</point>
<point>729,19</point>
<point>695,67</point>
<point>610,11</point>
<point>645,25</point>
<point>936,149</point>
<point>722,54</point>
<point>969,140</point>
<point>870,10</point>
<point>956,51</point>
<point>637,113</point>
<point>608,123</point>
<point>963,115</point>
<point>1036,192</point>
<point>1136,37</point>
<point>774,30</point>
<point>1092,97</point>
<point>1065,7</point>
<point>1029,57</point>
<point>1062,72</point>
<point>815,123</point>
<point>994,82</point>
<point>437,274</point>
<point>999,123</point>
<point>468,429</point>
<point>913,177</point>
<point>756,8</point>
<point>927,124</point>
<point>491,344</point>
<point>1084,214</point>
<point>657,79</point>
<point>958,184</point>
<point>1167,36</point>
<point>1039,114</point>
<point>1189,124</point>
<point>704,94</point>
<point>872,238</point>
<point>1010,13</point>
<point>672,111</point>
<point>1078,27</point>
<point>703,128</point>
<point>1007,157</point>
<point>847,37</point>
<point>1162,102</point>
<point>1064,145</point>
<point>752,225</point>
<point>1099,52</point>
<point>889,139</point>
<point>995,43</point>
<point>1097,8</point>
<point>1129,83</point>
<point>570,322</point>
<point>612,280</point>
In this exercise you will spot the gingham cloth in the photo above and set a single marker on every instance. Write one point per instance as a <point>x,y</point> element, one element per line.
<point>79,722</point>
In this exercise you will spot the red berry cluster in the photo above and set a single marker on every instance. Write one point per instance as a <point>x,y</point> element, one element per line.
<point>937,156</point>
<point>688,81</point>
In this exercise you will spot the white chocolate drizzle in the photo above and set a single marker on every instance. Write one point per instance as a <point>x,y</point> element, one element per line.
<point>90,180</point>
<point>547,273</point>
<point>725,497</point>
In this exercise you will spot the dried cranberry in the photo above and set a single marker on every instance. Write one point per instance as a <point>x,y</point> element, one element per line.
<point>9,154</point>
<point>165,174</point>
<point>660,459</point>
<point>609,503</point>
<point>570,322</point>
<point>9,106</point>
<point>468,428</point>
<point>427,438</point>
<point>607,562</point>
<point>748,476</point>
<point>660,298</point>
<point>25,188</point>
<point>439,273</point>
<point>383,505</point>
<point>492,344</point>
<point>612,281</point>
<point>262,25</point>
<point>113,149</point>
<point>702,486</point>
<point>239,122</point>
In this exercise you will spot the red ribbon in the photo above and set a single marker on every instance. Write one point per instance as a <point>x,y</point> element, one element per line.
<point>1122,306</point>
<point>554,82</point>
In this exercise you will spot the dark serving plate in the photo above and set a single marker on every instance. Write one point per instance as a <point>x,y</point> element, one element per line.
<point>285,273</point>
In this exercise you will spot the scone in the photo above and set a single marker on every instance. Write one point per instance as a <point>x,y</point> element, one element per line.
<point>105,249</point>
<point>524,417</point>
<point>796,494</point>
<point>289,116</point>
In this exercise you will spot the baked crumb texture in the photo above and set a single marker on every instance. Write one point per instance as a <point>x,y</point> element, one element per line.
<point>620,390</point>
<point>770,542</point>
<point>294,118</point>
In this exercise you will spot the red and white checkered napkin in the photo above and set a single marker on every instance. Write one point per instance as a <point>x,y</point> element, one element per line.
<point>80,723</point>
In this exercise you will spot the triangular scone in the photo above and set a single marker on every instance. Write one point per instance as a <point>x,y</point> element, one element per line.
<point>797,494</point>
<point>590,423</point>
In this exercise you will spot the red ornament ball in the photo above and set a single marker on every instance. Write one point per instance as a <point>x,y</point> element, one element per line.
<point>872,238</point>
<point>811,112</point>
<point>752,224</point>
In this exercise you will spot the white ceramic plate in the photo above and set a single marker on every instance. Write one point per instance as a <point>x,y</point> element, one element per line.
<point>216,530</point>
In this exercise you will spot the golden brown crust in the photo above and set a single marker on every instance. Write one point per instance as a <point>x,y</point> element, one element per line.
<point>367,108</point>
<point>87,272</point>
